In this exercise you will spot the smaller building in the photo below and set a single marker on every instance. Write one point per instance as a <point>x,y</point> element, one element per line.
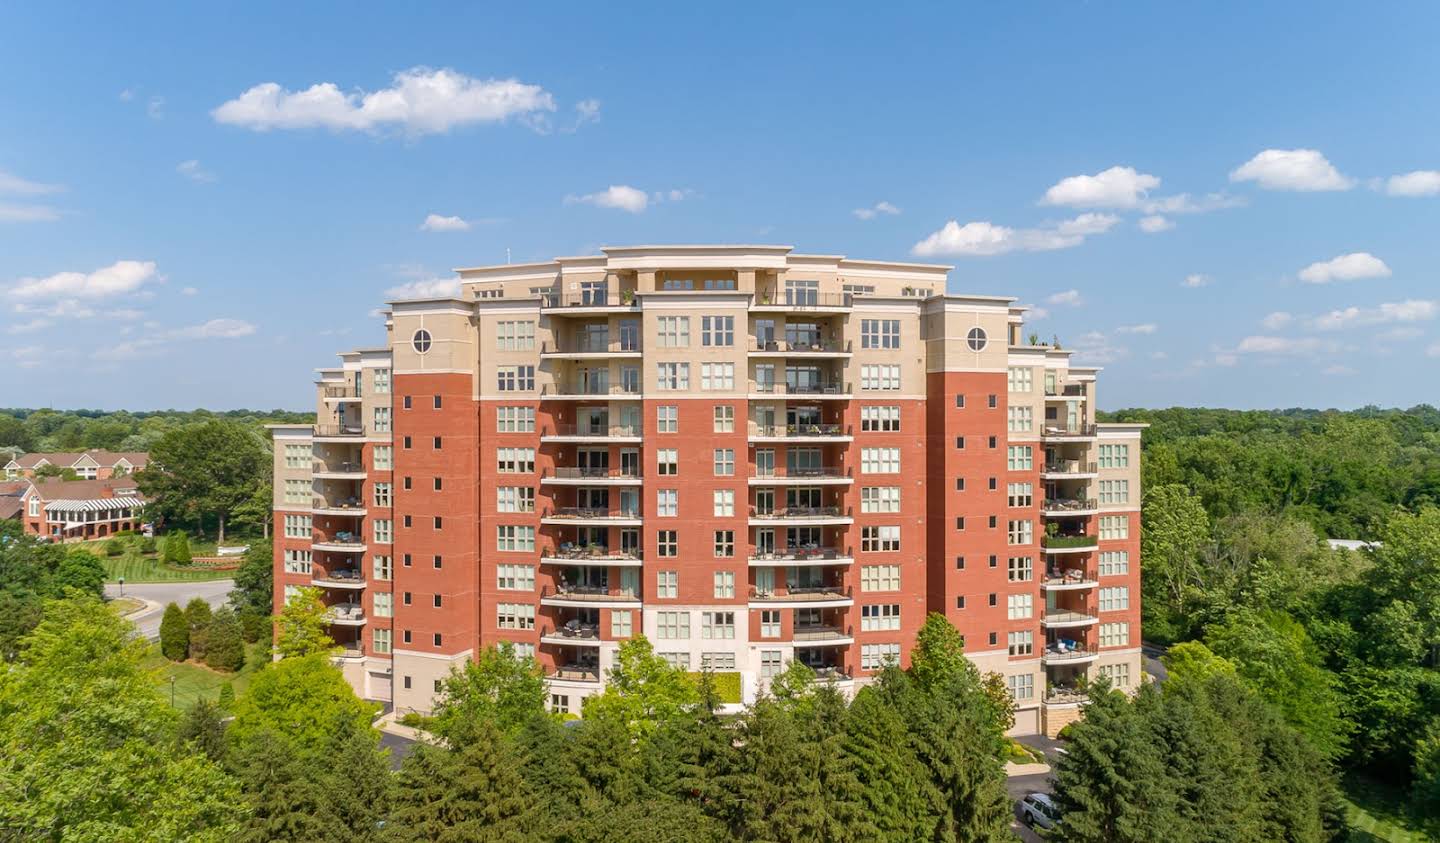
<point>10,503</point>
<point>93,464</point>
<point>66,510</point>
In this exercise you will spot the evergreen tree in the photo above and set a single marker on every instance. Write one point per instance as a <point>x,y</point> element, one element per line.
<point>551,769</point>
<point>355,780</point>
<point>197,617</point>
<point>892,781</point>
<point>1212,766</point>
<point>174,634</point>
<point>283,804</point>
<point>225,643</point>
<point>203,728</point>
<point>180,553</point>
<point>1425,790</point>
<point>227,697</point>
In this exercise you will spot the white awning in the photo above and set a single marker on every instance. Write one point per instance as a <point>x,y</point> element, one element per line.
<point>93,505</point>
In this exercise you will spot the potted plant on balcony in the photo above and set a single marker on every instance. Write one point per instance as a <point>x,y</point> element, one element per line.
<point>627,297</point>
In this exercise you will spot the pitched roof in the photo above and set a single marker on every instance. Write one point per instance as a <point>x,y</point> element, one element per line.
<point>56,489</point>
<point>13,488</point>
<point>10,507</point>
<point>66,459</point>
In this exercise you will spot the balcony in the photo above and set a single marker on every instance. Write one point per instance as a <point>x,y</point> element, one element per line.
<point>1060,695</point>
<point>811,350</point>
<point>580,350</point>
<point>1069,654</point>
<point>1070,470</point>
<point>351,507</point>
<point>581,516</point>
<point>782,301</point>
<point>825,390</point>
<point>351,580</point>
<point>338,432</point>
<point>341,542</point>
<point>1065,507</point>
<point>591,557</point>
<point>1074,580</point>
<point>571,476</point>
<point>572,633</point>
<point>1066,619</point>
<point>796,515</point>
<point>336,394</point>
<point>1065,392</point>
<point>1069,544</point>
<point>1075,433</point>
<point>575,391</point>
<point>576,674</point>
<point>338,470</point>
<point>588,303</point>
<point>815,476</point>
<point>803,597</point>
<point>581,434</point>
<point>587,597</point>
<point>820,635</point>
<point>346,614</point>
<point>807,433</point>
<point>803,556</point>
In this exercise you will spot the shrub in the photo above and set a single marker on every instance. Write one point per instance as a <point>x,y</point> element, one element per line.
<point>1066,732</point>
<point>197,617</point>
<point>180,548</point>
<point>224,644</point>
<point>114,547</point>
<point>174,634</point>
<point>82,570</point>
<point>255,626</point>
<point>147,544</point>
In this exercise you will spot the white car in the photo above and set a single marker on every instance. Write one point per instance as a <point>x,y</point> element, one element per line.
<point>1038,811</point>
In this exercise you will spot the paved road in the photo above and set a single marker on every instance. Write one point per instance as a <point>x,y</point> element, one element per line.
<point>158,594</point>
<point>1150,657</point>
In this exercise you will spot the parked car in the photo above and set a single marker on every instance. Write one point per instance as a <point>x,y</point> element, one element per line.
<point>1038,811</point>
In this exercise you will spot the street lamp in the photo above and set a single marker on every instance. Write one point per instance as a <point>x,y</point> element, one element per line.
<point>172,691</point>
<point>122,586</point>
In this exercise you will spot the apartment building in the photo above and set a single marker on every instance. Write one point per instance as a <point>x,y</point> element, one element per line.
<point>751,456</point>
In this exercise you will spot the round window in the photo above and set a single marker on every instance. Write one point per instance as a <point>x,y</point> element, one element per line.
<point>421,341</point>
<point>976,338</point>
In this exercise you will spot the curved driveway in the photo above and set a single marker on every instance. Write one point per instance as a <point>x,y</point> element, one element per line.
<point>157,594</point>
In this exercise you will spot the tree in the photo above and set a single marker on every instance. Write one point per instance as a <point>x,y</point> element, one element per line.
<point>303,700</point>
<point>208,468</point>
<point>225,643</point>
<point>197,617</point>
<point>1192,661</point>
<point>499,687</point>
<point>177,548</point>
<point>204,728</point>
<point>304,625</point>
<point>893,785</point>
<point>643,689</point>
<point>1425,791</point>
<point>174,634</point>
<point>87,738</point>
<point>1174,528</point>
<point>81,570</point>
<point>939,653</point>
<point>254,590</point>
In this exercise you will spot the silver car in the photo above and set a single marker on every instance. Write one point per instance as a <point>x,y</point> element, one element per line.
<point>1038,811</point>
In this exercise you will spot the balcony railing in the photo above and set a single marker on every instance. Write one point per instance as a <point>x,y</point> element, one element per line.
<point>819,472</point>
<point>799,300</point>
<point>831,673</point>
<point>803,593</point>
<point>340,578</point>
<point>821,633</point>
<point>589,298</point>
<point>1061,696</point>
<point>576,673</point>
<point>585,592</point>
<point>1074,653</point>
<point>1069,504</point>
<point>581,513</point>
<point>346,613</point>
<point>341,538</point>
<point>1071,467</point>
<point>591,553</point>
<point>1067,542</point>
<point>598,431</point>
<point>804,555</point>
<point>339,430</point>
<point>800,512</point>
<point>339,392</point>
<point>1069,390</point>
<point>572,388</point>
<point>801,347</point>
<point>1077,431</point>
<point>582,347</point>
<point>823,388</point>
<point>799,431</point>
<point>573,630</point>
<point>1066,617</point>
<point>574,473</point>
<point>320,467</point>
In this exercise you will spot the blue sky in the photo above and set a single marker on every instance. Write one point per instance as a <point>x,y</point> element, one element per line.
<point>1232,205</point>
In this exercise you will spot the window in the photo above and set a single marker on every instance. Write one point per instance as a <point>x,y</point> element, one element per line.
<point>1018,378</point>
<point>515,615</point>
<point>724,500</point>
<point>879,460</point>
<point>666,461</point>
<point>679,661</point>
<point>297,456</point>
<point>515,499</point>
<point>1114,456</point>
<point>672,626</point>
<point>716,625</point>
<point>667,419</point>
<point>880,499</point>
<point>667,584</point>
<point>1118,674</point>
<point>673,376</point>
<point>296,491</point>
<point>421,341</point>
<point>717,330</point>
<point>1020,494</point>
<point>880,617</point>
<point>1021,419</point>
<point>515,577</point>
<point>515,378</point>
<point>381,418</point>
<point>1020,606</point>
<point>1020,568</point>
<point>515,420</point>
<point>1021,643</point>
<point>976,339</point>
<point>1114,491</point>
<point>724,462</point>
<point>522,650</point>
<point>514,336</point>
<point>297,561</point>
<point>877,656</point>
<point>724,418</point>
<point>437,561</point>
<point>383,604</point>
<point>382,381</point>
<point>382,641</point>
<point>667,503</point>
<point>1021,687</point>
<point>717,376</point>
<point>515,460</point>
<point>717,661</point>
<point>1020,458</point>
<point>879,333</point>
<point>884,419</point>
<point>384,530</point>
<point>724,584</point>
<point>382,494</point>
<point>382,567</point>
<point>296,526</point>
<point>674,331</point>
<point>880,578</point>
<point>406,402</point>
<point>621,623</point>
<point>1114,634</point>
<point>1114,563</point>
<point>1114,527</point>
<point>874,539</point>
<point>1114,599</point>
<point>384,457</point>
<point>511,537</point>
<point>436,442</point>
<point>665,544</point>
<point>1020,532</point>
<point>881,376</point>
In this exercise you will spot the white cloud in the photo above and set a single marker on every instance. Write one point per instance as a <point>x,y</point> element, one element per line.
<point>621,196</point>
<point>435,222</point>
<point>1277,320</point>
<point>1433,351</point>
<point>1195,280</point>
<point>1402,333</point>
<point>27,213</point>
<point>1337,371</point>
<point>1070,298</point>
<point>29,356</point>
<point>419,101</point>
<point>1159,355</point>
<point>1142,328</point>
<point>156,108</point>
<point>193,171</point>
<point>1034,312</point>
<point>14,185</point>
<point>586,111</point>
<point>36,324</point>
<point>127,95</point>
<point>1155,224</point>
<point>985,238</point>
<point>1094,347</point>
<point>875,210</point>
<point>1410,310</point>
<point>1262,344</point>
<point>1352,267</point>
<point>188,291</point>
<point>1184,203</point>
<point>1418,183</point>
<point>154,342</point>
<point>1292,169</point>
<point>672,195</point>
<point>429,288</point>
<point>119,277</point>
<point>1117,187</point>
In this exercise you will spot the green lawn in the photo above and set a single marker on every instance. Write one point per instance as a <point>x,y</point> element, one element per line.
<point>1377,811</point>
<point>193,681</point>
<point>125,605</point>
<point>149,569</point>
